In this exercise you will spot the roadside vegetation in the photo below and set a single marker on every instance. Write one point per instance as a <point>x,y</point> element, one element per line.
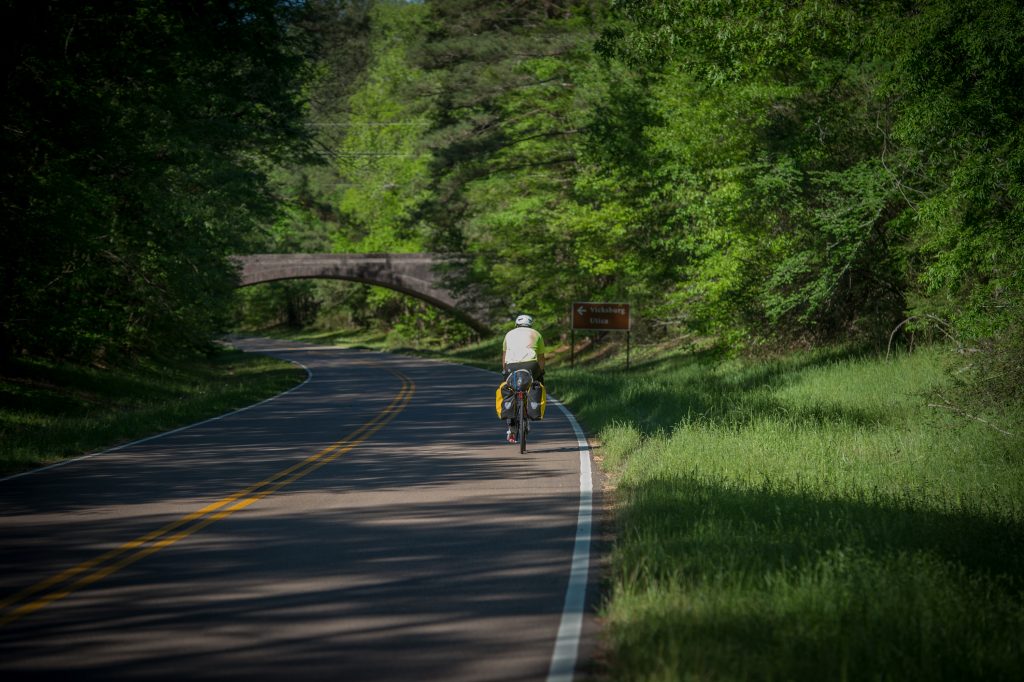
<point>50,410</point>
<point>805,518</point>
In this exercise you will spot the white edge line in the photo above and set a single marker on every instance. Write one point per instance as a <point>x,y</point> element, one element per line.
<point>309,375</point>
<point>567,643</point>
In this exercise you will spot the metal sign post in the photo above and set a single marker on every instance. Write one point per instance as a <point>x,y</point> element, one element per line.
<point>601,317</point>
<point>572,348</point>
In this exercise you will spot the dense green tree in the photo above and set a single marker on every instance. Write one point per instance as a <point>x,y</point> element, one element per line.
<point>133,136</point>
<point>512,113</point>
<point>839,167</point>
<point>306,188</point>
<point>772,145</point>
<point>957,70</point>
<point>383,168</point>
<point>370,106</point>
<point>797,172</point>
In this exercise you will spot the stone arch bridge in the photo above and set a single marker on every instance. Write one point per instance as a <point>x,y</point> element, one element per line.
<point>415,274</point>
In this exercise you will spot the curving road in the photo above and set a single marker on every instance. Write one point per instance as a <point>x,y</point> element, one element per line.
<point>370,524</point>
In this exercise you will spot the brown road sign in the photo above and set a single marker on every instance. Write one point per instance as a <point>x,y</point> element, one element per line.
<point>610,316</point>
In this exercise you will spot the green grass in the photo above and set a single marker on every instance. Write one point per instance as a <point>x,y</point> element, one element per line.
<point>51,411</point>
<point>809,518</point>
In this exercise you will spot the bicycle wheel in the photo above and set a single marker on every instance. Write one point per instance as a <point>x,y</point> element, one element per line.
<point>521,426</point>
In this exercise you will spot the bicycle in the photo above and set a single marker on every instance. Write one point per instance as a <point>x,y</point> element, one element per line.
<point>520,381</point>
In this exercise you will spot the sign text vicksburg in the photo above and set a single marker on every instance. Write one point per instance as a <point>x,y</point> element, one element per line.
<point>609,316</point>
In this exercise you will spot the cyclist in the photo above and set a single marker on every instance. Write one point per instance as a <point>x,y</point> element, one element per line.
<point>523,348</point>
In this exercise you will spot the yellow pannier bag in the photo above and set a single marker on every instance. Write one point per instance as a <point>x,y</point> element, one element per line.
<point>503,398</point>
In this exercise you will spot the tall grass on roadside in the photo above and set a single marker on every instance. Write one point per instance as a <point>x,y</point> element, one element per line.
<point>50,411</point>
<point>809,518</point>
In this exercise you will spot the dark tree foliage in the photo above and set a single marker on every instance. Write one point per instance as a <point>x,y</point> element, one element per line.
<point>506,79</point>
<point>844,170</point>
<point>133,137</point>
<point>480,52</point>
<point>790,217</point>
<point>340,30</point>
<point>747,171</point>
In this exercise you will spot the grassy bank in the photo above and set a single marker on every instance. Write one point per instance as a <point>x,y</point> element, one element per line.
<point>808,518</point>
<point>51,411</point>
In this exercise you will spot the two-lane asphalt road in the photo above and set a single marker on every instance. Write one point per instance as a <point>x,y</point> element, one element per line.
<point>370,524</point>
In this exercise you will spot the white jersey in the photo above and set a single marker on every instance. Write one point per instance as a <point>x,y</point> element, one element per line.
<point>522,344</point>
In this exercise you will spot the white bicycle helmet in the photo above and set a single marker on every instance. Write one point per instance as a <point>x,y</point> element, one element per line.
<point>524,321</point>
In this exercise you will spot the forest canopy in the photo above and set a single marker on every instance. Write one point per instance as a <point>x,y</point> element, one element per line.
<point>135,133</point>
<point>748,172</point>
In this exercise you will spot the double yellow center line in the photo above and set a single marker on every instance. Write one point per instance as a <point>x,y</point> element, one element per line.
<point>58,586</point>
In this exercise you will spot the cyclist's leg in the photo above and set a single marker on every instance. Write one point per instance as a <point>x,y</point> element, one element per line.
<point>510,427</point>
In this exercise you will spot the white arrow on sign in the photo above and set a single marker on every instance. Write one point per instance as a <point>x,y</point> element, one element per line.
<point>581,310</point>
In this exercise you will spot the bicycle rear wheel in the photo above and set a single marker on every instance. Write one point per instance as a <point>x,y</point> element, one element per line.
<point>521,426</point>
